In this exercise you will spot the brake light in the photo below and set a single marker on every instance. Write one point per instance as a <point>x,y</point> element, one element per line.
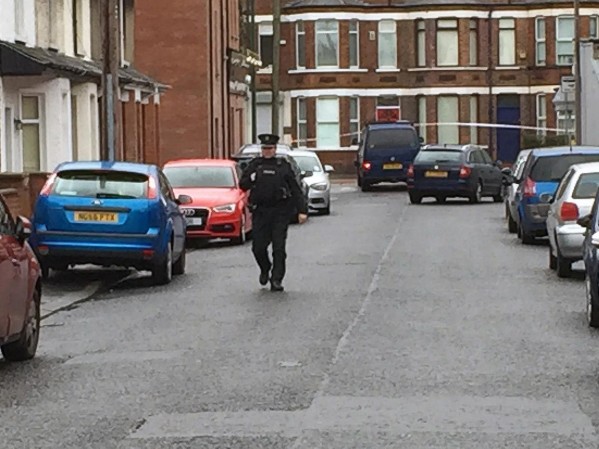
<point>568,212</point>
<point>366,165</point>
<point>411,171</point>
<point>465,172</point>
<point>48,185</point>
<point>529,188</point>
<point>152,188</point>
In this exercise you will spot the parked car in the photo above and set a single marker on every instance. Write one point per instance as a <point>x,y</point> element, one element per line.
<point>110,213</point>
<point>248,152</point>
<point>444,171</point>
<point>573,199</point>
<point>385,152</point>
<point>219,208</point>
<point>319,193</point>
<point>590,249</point>
<point>543,171</point>
<point>509,195</point>
<point>21,292</point>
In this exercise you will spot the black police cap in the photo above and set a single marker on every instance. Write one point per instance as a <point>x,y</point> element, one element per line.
<point>268,139</point>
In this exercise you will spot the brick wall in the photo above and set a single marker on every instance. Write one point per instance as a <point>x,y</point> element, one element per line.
<point>23,190</point>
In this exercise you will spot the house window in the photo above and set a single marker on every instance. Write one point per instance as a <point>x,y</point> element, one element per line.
<point>387,44</point>
<point>447,42</point>
<point>541,109</point>
<point>327,122</point>
<point>327,43</point>
<point>78,47</point>
<point>421,43</point>
<point>20,20</point>
<point>300,44</point>
<point>354,44</point>
<point>127,14</point>
<point>422,117</point>
<point>473,47</point>
<point>354,117</point>
<point>388,108</point>
<point>541,44</point>
<point>474,119</point>
<point>447,112</point>
<point>507,42</point>
<point>266,44</point>
<point>593,22</point>
<point>302,123</point>
<point>564,40</point>
<point>30,133</point>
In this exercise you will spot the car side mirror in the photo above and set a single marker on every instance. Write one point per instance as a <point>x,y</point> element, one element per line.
<point>498,163</point>
<point>585,222</point>
<point>506,171</point>
<point>184,199</point>
<point>421,139</point>
<point>23,229</point>
<point>329,168</point>
<point>307,173</point>
<point>546,198</point>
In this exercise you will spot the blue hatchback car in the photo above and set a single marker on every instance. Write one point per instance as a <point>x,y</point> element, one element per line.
<point>543,171</point>
<point>110,213</point>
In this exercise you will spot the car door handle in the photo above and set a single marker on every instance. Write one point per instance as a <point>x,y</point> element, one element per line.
<point>15,262</point>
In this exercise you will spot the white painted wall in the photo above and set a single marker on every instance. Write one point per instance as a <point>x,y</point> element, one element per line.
<point>7,20</point>
<point>87,132</point>
<point>8,25</point>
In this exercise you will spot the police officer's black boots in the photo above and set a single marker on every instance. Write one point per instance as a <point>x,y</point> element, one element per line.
<point>276,286</point>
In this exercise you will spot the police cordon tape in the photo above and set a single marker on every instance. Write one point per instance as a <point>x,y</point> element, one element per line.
<point>464,124</point>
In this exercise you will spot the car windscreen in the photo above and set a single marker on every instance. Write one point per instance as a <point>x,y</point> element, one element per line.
<point>101,184</point>
<point>436,156</point>
<point>200,176</point>
<point>586,187</point>
<point>392,138</point>
<point>553,168</point>
<point>308,163</point>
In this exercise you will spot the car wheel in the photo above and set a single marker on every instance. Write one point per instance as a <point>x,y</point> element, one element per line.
<point>476,196</point>
<point>512,226</point>
<point>415,198</point>
<point>563,266</point>
<point>326,210</point>
<point>242,238</point>
<point>592,307</point>
<point>552,259</point>
<point>526,239</point>
<point>179,266</point>
<point>498,198</point>
<point>26,346</point>
<point>365,186</point>
<point>359,181</point>
<point>441,199</point>
<point>163,271</point>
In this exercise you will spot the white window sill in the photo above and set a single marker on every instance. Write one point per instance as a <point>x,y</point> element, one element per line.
<point>507,67</point>
<point>446,68</point>
<point>388,70</point>
<point>326,70</point>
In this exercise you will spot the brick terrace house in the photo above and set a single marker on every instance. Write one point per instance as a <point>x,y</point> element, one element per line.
<point>194,47</point>
<point>424,60</point>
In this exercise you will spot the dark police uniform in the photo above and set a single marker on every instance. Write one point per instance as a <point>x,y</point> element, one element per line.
<point>274,192</point>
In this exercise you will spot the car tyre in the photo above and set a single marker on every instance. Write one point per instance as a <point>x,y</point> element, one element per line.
<point>415,198</point>
<point>359,181</point>
<point>26,346</point>
<point>512,226</point>
<point>242,238</point>
<point>476,196</point>
<point>366,187</point>
<point>326,210</point>
<point>498,198</point>
<point>441,199</point>
<point>526,239</point>
<point>592,307</point>
<point>163,271</point>
<point>563,266</point>
<point>552,259</point>
<point>179,266</point>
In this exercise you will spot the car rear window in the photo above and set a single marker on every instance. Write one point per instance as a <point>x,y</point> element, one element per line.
<point>392,138</point>
<point>199,177</point>
<point>101,184</point>
<point>553,168</point>
<point>586,187</point>
<point>439,156</point>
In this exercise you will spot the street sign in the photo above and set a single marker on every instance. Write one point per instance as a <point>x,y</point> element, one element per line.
<point>568,84</point>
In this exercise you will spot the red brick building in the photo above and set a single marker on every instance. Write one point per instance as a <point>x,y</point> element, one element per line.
<point>193,46</point>
<point>493,62</point>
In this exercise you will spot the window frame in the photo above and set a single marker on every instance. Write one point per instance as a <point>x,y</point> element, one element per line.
<point>316,42</point>
<point>380,32</point>
<point>559,39</point>
<point>443,28</point>
<point>354,35</point>
<point>318,123</point>
<point>540,41</point>
<point>507,26</point>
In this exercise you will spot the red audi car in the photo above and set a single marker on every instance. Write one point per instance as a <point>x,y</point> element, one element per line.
<point>219,208</point>
<point>20,289</point>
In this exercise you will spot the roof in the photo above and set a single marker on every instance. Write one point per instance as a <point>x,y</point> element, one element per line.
<point>19,59</point>
<point>200,162</point>
<point>132,167</point>
<point>411,3</point>
<point>586,167</point>
<point>398,124</point>
<point>558,151</point>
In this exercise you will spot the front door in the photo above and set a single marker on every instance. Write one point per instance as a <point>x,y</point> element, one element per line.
<point>508,139</point>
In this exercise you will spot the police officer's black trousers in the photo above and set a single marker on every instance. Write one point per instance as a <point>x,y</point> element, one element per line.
<point>269,225</point>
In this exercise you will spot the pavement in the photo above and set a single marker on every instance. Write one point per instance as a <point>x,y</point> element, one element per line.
<point>402,326</point>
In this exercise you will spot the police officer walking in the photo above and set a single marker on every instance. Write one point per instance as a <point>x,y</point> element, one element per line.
<point>274,193</point>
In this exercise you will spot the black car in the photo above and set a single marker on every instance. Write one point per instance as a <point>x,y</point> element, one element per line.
<point>444,171</point>
<point>248,152</point>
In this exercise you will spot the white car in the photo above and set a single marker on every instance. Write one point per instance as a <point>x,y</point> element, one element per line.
<point>317,178</point>
<point>573,199</point>
<point>510,190</point>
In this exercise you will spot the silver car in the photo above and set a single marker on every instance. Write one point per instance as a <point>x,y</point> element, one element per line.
<point>317,178</point>
<point>573,199</point>
<point>510,191</point>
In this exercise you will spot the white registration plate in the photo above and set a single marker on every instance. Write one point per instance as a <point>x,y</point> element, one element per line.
<point>195,221</point>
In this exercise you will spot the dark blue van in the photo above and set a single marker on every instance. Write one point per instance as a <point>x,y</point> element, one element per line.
<point>385,152</point>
